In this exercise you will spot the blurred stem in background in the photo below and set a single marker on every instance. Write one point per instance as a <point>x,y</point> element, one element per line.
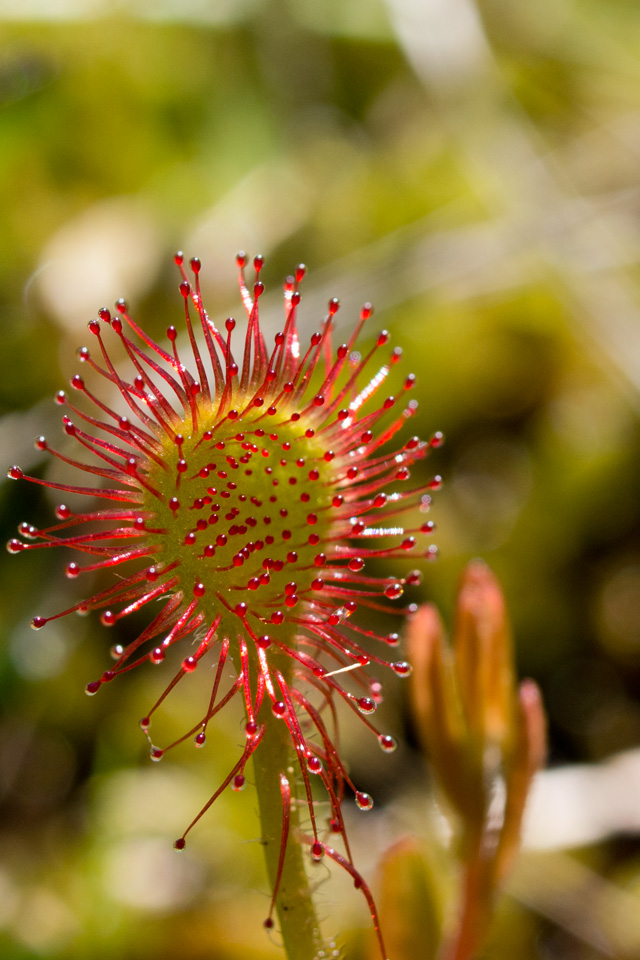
<point>485,738</point>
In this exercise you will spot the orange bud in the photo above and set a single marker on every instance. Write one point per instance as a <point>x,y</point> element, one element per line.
<point>484,660</point>
<point>485,738</point>
<point>528,756</point>
<point>437,707</point>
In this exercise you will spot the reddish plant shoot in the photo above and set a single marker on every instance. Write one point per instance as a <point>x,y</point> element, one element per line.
<point>248,496</point>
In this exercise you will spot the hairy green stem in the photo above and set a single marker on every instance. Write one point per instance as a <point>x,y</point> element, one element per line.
<point>294,904</point>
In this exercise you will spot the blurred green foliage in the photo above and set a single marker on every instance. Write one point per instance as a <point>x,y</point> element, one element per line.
<point>474,171</point>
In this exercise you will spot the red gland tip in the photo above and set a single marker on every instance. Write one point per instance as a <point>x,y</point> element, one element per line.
<point>402,668</point>
<point>366,705</point>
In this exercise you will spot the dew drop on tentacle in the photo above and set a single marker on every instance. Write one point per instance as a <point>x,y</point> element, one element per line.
<point>394,591</point>
<point>238,783</point>
<point>402,668</point>
<point>366,705</point>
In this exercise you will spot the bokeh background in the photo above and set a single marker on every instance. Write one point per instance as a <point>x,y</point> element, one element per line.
<point>473,168</point>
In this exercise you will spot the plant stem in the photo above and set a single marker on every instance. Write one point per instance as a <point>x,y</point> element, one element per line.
<point>477,898</point>
<point>294,904</point>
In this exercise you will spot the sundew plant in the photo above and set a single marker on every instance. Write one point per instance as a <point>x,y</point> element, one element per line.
<point>239,496</point>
